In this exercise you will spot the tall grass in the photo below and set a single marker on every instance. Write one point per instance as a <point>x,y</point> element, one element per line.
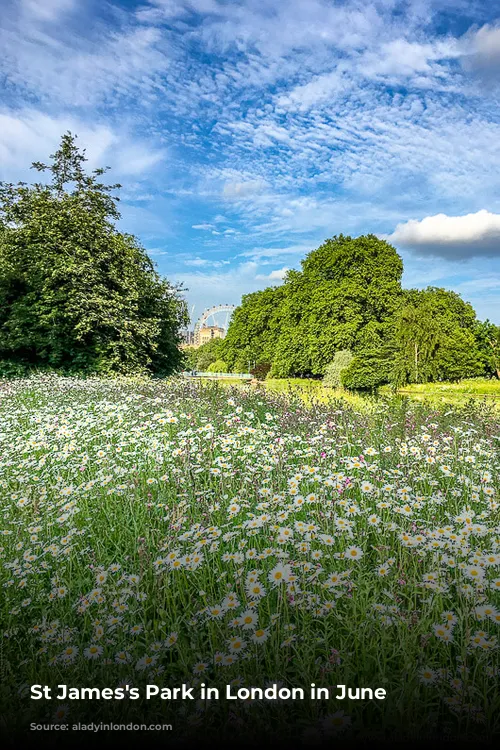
<point>177,532</point>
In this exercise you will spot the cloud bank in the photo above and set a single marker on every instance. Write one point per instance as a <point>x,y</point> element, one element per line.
<point>448,237</point>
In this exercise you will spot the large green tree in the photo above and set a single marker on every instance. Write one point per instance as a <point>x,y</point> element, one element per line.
<point>205,355</point>
<point>344,297</point>
<point>435,338</point>
<point>488,341</point>
<point>348,296</point>
<point>75,293</point>
<point>254,330</point>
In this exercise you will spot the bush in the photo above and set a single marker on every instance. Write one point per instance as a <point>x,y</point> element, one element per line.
<point>368,370</point>
<point>341,361</point>
<point>260,371</point>
<point>218,366</point>
<point>12,369</point>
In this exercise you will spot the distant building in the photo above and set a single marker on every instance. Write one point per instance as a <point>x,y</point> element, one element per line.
<point>207,333</point>
<point>187,338</point>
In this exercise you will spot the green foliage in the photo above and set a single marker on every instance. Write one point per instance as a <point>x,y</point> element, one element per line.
<point>190,358</point>
<point>205,355</point>
<point>11,369</point>
<point>341,361</point>
<point>347,297</point>
<point>254,329</point>
<point>343,298</point>
<point>76,294</point>
<point>368,369</point>
<point>261,371</point>
<point>218,366</point>
<point>435,339</point>
<point>488,343</point>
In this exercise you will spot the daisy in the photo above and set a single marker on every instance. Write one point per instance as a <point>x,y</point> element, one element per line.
<point>248,619</point>
<point>427,676</point>
<point>237,645</point>
<point>260,636</point>
<point>279,574</point>
<point>93,652</point>
<point>353,553</point>
<point>200,667</point>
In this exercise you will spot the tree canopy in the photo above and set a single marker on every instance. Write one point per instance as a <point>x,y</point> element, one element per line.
<point>347,298</point>
<point>201,357</point>
<point>344,297</point>
<point>76,294</point>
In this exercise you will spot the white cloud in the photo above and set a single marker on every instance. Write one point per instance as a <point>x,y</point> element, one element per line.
<point>46,10</point>
<point>277,275</point>
<point>263,253</point>
<point>482,49</point>
<point>481,285</point>
<point>30,135</point>
<point>132,158</point>
<point>80,64</point>
<point>314,117</point>
<point>320,89</point>
<point>197,262</point>
<point>204,262</point>
<point>466,236</point>
<point>155,251</point>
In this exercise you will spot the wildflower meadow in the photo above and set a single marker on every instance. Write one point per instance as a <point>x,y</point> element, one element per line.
<point>164,532</point>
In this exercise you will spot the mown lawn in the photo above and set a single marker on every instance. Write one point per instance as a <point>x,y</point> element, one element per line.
<point>473,387</point>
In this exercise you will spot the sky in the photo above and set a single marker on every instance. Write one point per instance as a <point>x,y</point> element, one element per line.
<point>246,132</point>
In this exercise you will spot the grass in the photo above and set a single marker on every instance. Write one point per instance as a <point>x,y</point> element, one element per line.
<point>449,393</point>
<point>169,532</point>
<point>473,387</point>
<point>444,393</point>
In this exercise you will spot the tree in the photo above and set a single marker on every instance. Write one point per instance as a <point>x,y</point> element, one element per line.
<point>343,297</point>
<point>435,338</point>
<point>488,341</point>
<point>348,297</point>
<point>370,368</point>
<point>418,338</point>
<point>254,330</point>
<point>75,293</point>
<point>206,354</point>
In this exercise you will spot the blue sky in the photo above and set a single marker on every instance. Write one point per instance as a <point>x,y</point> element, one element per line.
<point>245,132</point>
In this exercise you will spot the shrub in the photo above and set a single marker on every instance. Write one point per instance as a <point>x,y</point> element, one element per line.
<point>341,361</point>
<point>76,294</point>
<point>218,366</point>
<point>261,370</point>
<point>367,370</point>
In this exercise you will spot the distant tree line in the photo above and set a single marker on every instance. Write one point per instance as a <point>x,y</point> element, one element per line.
<point>79,296</point>
<point>76,294</point>
<point>345,317</point>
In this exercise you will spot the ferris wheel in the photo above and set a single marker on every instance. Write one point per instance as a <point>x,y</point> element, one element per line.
<point>218,315</point>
